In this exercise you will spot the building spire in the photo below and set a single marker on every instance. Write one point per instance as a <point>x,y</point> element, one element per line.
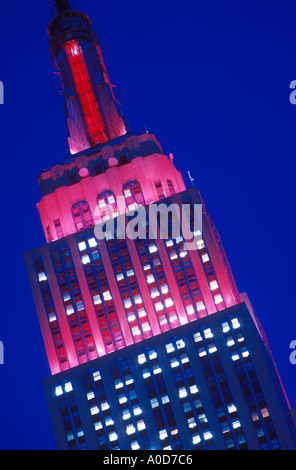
<point>92,105</point>
<point>62,5</point>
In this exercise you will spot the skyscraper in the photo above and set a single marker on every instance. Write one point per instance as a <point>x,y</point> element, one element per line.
<point>149,342</point>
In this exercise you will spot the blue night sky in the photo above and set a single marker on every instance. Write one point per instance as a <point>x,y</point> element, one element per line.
<point>211,80</point>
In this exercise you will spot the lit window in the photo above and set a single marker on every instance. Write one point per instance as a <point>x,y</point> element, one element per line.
<point>180,344</point>
<point>163,434</point>
<point>170,348</point>
<point>200,306</point>
<point>196,439</point>
<point>82,246</point>
<point>202,352</point>
<point>152,248</point>
<point>138,299</point>
<point>207,435</point>
<point>90,395</point>
<point>230,341</point>
<point>212,349</point>
<point>169,302</point>
<point>191,423</point>
<point>197,337</point>
<point>146,326</point>
<point>190,309</point>
<point>94,410</point>
<point>225,327</point>
<point>97,299</point>
<point>131,317</point>
<point>105,406</point>
<point>107,295</point>
<point>42,277</point>
<point>113,436</point>
<point>119,277</point>
<point>213,285</point>
<point>141,358</point>
<point>137,411</point>
<point>52,317</point>
<point>130,429</point>
<point>205,257</point>
<point>235,357</point>
<point>174,363</point>
<point>98,425</point>
<point>164,289</point>
<point>231,408</point>
<point>69,310</point>
<point>129,380</point>
<point>127,303</point>
<point>141,425</point>
<point>165,399</point>
<point>150,279</point>
<point>182,392</point>
<point>97,376</point>
<point>58,391</point>
<point>109,421</point>
<point>66,296</point>
<point>218,299</point>
<point>135,445</point>
<point>92,242</point>
<point>154,293</point>
<point>136,331</point>
<point>235,323</point>
<point>146,374</point>
<point>193,389</point>
<point>118,384</point>
<point>126,414</point>
<point>80,305</point>
<point>200,244</point>
<point>68,387</point>
<point>152,354</point>
<point>154,403</point>
<point>158,306</point>
<point>236,424</point>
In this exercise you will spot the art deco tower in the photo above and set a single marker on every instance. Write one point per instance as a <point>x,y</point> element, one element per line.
<point>149,343</point>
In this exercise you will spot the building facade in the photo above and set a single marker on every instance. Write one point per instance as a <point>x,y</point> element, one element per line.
<point>149,343</point>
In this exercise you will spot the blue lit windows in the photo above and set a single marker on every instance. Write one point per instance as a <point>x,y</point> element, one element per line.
<point>100,411</point>
<point>250,384</point>
<point>188,393</point>
<point>70,416</point>
<point>159,400</point>
<point>131,409</point>
<point>219,389</point>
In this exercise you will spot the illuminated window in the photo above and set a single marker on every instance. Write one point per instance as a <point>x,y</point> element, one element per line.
<point>160,192</point>
<point>107,205</point>
<point>58,228</point>
<point>133,195</point>
<point>171,187</point>
<point>81,215</point>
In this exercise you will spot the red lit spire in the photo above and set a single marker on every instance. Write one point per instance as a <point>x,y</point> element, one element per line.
<point>93,112</point>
